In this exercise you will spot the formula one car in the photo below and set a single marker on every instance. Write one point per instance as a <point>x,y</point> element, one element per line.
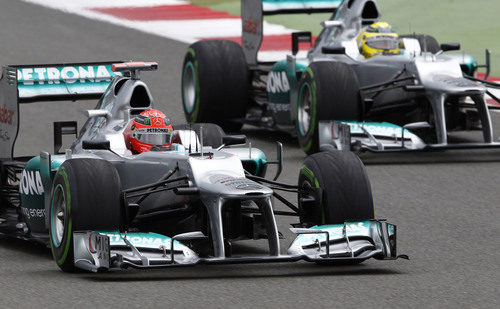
<point>100,207</point>
<point>360,87</point>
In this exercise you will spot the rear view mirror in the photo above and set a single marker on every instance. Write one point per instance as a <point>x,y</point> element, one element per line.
<point>333,50</point>
<point>332,23</point>
<point>450,46</point>
<point>102,144</point>
<point>92,113</point>
<point>229,140</point>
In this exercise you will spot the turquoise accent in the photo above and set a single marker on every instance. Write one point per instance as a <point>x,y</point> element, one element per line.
<point>278,80</point>
<point>280,97</point>
<point>260,162</point>
<point>141,240</point>
<point>56,161</point>
<point>279,66</point>
<point>43,81</point>
<point>468,65</point>
<point>335,231</point>
<point>384,129</point>
<point>300,66</point>
<point>33,191</point>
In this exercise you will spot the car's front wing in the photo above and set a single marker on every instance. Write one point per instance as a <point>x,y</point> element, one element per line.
<point>380,137</point>
<point>351,241</point>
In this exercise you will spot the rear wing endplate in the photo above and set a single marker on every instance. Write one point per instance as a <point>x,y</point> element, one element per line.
<point>46,82</point>
<point>253,11</point>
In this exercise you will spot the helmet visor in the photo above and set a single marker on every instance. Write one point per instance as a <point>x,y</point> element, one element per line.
<point>153,136</point>
<point>382,42</point>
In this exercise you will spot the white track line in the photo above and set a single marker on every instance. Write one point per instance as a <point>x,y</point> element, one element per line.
<point>84,4</point>
<point>187,31</point>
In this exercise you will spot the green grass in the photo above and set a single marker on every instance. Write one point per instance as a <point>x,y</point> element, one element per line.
<point>473,23</point>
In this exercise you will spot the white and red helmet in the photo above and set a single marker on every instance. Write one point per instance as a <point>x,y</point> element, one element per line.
<point>149,129</point>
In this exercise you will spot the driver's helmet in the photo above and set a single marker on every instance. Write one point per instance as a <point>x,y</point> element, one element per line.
<point>378,39</point>
<point>151,128</point>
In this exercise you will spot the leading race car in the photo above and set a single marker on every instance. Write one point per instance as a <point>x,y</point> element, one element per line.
<point>135,191</point>
<point>360,87</point>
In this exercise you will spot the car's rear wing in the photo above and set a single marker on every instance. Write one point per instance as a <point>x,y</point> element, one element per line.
<point>46,82</point>
<point>253,12</point>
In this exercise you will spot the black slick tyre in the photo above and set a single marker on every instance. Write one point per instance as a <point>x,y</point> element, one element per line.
<point>344,189</point>
<point>212,133</point>
<point>327,91</point>
<point>85,196</point>
<point>215,84</point>
<point>427,42</point>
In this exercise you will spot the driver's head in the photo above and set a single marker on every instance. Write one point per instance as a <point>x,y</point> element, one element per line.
<point>378,39</point>
<point>149,129</point>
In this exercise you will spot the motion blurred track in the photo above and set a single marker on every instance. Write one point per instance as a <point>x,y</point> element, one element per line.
<point>445,205</point>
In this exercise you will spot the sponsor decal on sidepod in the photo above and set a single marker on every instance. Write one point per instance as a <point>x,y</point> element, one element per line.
<point>31,183</point>
<point>277,82</point>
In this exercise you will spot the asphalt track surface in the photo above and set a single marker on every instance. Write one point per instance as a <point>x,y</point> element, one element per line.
<point>445,206</point>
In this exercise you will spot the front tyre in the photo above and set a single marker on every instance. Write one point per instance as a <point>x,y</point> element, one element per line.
<point>340,186</point>
<point>85,196</point>
<point>327,91</point>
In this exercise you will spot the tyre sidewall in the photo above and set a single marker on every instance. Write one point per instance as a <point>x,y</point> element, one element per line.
<point>190,62</point>
<point>334,90</point>
<point>92,191</point>
<point>221,78</point>
<point>346,189</point>
<point>307,178</point>
<point>63,252</point>
<point>308,140</point>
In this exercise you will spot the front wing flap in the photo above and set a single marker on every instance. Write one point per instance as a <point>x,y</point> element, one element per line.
<point>380,136</point>
<point>351,240</point>
<point>100,251</point>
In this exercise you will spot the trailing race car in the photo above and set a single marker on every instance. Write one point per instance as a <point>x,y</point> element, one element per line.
<point>360,87</point>
<point>135,191</point>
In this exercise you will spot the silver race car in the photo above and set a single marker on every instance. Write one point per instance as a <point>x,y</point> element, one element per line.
<point>101,207</point>
<point>360,87</point>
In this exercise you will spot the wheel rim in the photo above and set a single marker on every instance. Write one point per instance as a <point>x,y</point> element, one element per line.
<point>305,109</point>
<point>189,87</point>
<point>58,215</point>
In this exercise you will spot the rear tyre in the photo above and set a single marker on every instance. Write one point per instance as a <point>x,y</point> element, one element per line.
<point>215,83</point>
<point>327,91</point>
<point>426,41</point>
<point>345,189</point>
<point>212,133</point>
<point>85,196</point>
